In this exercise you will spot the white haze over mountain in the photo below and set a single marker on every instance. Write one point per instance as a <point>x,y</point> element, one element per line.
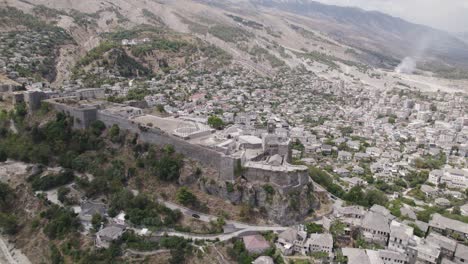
<point>449,15</point>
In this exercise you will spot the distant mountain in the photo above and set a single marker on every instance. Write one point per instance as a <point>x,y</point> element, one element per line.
<point>261,33</point>
<point>376,31</point>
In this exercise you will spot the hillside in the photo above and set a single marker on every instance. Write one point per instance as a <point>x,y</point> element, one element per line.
<point>375,30</point>
<point>264,35</point>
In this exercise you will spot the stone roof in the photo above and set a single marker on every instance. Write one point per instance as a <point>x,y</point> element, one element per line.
<point>264,260</point>
<point>374,257</point>
<point>442,241</point>
<point>323,240</point>
<point>427,189</point>
<point>408,212</point>
<point>250,139</point>
<point>447,261</point>
<point>464,208</point>
<point>441,222</point>
<point>392,255</point>
<point>111,232</point>
<point>375,221</point>
<point>380,210</point>
<point>356,256</point>
<point>276,160</point>
<point>357,210</point>
<point>442,201</point>
<point>461,252</point>
<point>290,235</point>
<point>91,208</point>
<point>255,243</point>
<point>400,230</point>
<point>428,248</point>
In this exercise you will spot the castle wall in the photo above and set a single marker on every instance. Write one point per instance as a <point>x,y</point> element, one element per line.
<point>285,180</point>
<point>82,116</point>
<point>33,99</point>
<point>212,158</point>
<point>282,179</point>
<point>10,88</point>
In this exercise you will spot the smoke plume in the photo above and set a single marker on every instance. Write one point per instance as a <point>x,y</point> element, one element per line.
<point>408,66</point>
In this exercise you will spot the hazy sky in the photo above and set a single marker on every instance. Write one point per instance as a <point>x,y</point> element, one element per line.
<point>450,15</point>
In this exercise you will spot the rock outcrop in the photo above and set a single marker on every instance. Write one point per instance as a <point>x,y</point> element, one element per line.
<point>283,208</point>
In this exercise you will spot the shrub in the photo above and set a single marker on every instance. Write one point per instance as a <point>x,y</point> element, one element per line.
<point>8,223</point>
<point>269,189</point>
<point>61,222</point>
<point>229,187</point>
<point>97,127</point>
<point>313,228</point>
<point>215,122</point>
<point>51,181</point>
<point>185,197</point>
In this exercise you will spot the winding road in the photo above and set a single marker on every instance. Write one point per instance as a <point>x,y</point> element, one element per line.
<point>241,227</point>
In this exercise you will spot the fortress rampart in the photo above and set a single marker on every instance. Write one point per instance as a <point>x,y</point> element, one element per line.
<point>284,177</point>
<point>84,116</point>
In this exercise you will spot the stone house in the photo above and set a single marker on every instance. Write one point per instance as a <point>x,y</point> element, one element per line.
<point>353,182</point>
<point>255,244</point>
<point>375,228</point>
<point>319,243</point>
<point>400,235</point>
<point>88,209</point>
<point>444,225</point>
<point>291,240</point>
<point>345,156</point>
<point>447,245</point>
<point>108,234</point>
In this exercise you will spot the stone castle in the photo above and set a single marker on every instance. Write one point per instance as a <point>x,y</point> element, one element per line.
<point>258,156</point>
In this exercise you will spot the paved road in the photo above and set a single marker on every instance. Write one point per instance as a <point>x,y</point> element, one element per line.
<point>8,256</point>
<point>208,218</point>
<point>5,254</point>
<point>223,237</point>
<point>242,227</point>
<point>187,211</point>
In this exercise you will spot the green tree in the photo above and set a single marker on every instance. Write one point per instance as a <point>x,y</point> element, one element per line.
<point>96,222</point>
<point>185,197</point>
<point>6,196</point>
<point>337,229</point>
<point>313,228</point>
<point>168,168</point>
<point>8,223</point>
<point>61,222</point>
<point>21,110</point>
<point>55,255</point>
<point>355,195</point>
<point>97,127</point>
<point>62,193</point>
<point>215,122</point>
<point>376,197</point>
<point>114,132</point>
<point>160,108</point>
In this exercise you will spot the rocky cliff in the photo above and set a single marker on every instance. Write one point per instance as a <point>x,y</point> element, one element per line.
<point>283,208</point>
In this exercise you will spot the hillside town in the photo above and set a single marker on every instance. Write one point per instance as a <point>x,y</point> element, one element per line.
<point>324,161</point>
<point>410,146</point>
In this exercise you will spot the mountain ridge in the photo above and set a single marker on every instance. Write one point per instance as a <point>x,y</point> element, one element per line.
<point>351,34</point>
<point>374,24</point>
